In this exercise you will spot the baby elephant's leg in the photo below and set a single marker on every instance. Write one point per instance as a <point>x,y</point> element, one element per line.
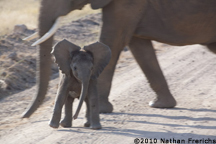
<point>94,105</point>
<point>59,102</point>
<point>87,115</point>
<point>67,121</point>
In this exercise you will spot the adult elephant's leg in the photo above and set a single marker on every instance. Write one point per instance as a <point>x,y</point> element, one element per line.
<point>144,54</point>
<point>119,24</point>
<point>105,80</point>
<point>212,47</point>
<point>67,121</point>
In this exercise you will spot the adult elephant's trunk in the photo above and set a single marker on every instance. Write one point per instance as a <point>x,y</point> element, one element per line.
<point>83,94</point>
<point>43,62</point>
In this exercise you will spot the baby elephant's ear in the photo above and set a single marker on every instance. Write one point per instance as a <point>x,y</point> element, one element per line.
<point>101,55</point>
<point>62,52</point>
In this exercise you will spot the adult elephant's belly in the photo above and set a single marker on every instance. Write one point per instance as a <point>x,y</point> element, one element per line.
<point>178,24</point>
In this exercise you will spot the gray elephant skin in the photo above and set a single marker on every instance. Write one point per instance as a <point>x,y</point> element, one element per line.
<point>80,69</point>
<point>134,23</point>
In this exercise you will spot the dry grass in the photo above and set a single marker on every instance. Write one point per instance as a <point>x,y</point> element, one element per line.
<point>14,12</point>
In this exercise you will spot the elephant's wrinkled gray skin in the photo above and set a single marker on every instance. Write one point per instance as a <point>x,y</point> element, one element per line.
<point>134,23</point>
<point>80,70</point>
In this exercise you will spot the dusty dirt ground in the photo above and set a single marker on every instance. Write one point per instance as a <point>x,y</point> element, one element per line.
<point>189,70</point>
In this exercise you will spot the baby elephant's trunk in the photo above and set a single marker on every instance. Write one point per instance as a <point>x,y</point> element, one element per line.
<point>83,94</point>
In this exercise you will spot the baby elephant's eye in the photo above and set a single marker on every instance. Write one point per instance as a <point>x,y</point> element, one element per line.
<point>75,68</point>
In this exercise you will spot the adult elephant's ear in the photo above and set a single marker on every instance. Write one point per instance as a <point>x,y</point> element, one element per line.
<point>62,52</point>
<point>101,55</point>
<point>96,4</point>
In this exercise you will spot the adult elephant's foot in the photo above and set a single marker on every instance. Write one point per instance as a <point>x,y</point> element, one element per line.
<point>96,126</point>
<point>87,124</point>
<point>66,123</point>
<point>53,124</point>
<point>163,103</point>
<point>105,107</point>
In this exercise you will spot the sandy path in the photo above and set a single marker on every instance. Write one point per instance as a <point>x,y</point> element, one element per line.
<point>190,72</point>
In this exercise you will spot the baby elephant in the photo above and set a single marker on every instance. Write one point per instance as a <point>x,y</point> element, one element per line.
<point>80,69</point>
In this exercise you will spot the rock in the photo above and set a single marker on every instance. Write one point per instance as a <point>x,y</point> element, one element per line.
<point>3,85</point>
<point>2,41</point>
<point>13,56</point>
<point>20,28</point>
<point>126,49</point>
<point>3,74</point>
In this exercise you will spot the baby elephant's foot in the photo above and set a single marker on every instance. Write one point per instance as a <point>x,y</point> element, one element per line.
<point>66,123</point>
<point>96,126</point>
<point>53,124</point>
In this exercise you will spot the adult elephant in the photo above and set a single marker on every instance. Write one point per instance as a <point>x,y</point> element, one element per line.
<point>134,23</point>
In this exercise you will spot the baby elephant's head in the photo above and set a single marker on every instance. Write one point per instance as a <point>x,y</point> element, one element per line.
<point>87,62</point>
<point>83,64</point>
